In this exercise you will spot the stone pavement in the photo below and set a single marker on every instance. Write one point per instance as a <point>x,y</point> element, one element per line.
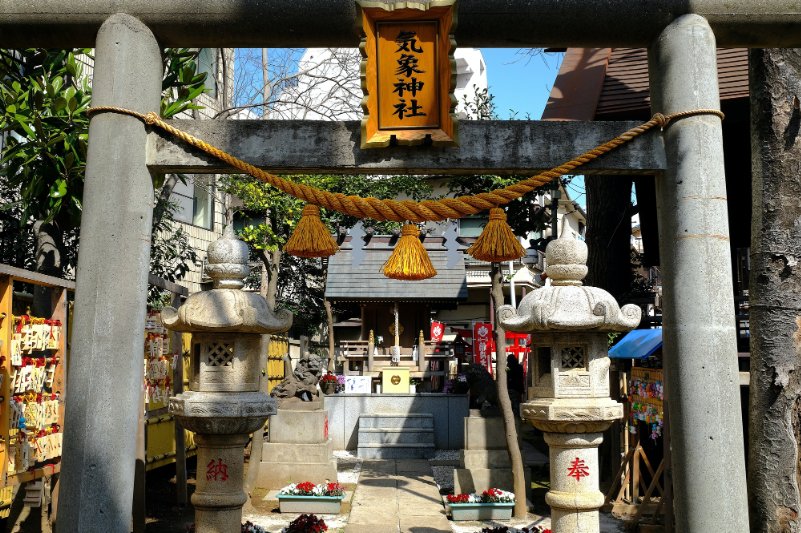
<point>397,496</point>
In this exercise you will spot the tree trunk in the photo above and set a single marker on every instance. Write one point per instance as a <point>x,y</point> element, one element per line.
<point>609,233</point>
<point>269,271</point>
<point>272,287</point>
<point>329,316</point>
<point>164,195</point>
<point>775,297</point>
<point>515,457</point>
<point>50,254</point>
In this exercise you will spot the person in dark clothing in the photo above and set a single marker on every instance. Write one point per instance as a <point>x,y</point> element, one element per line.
<point>515,379</point>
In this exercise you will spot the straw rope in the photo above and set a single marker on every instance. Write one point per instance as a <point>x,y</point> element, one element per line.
<point>400,211</point>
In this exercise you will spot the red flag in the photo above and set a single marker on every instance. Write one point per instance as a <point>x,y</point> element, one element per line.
<point>437,330</point>
<point>483,345</point>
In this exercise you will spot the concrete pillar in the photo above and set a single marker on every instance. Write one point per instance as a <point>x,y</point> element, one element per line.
<point>700,346</point>
<point>111,288</point>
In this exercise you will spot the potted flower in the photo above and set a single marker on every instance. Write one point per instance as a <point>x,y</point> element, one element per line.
<point>492,504</point>
<point>325,498</point>
<point>306,523</point>
<point>328,383</point>
<point>413,383</point>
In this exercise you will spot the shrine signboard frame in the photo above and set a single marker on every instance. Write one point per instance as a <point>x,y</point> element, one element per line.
<point>434,121</point>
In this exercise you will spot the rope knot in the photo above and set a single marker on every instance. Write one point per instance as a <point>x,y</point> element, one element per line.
<point>661,120</point>
<point>496,213</point>
<point>311,210</point>
<point>410,230</point>
<point>151,118</point>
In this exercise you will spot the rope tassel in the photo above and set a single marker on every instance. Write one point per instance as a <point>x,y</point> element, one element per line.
<point>311,238</point>
<point>409,261</point>
<point>497,243</point>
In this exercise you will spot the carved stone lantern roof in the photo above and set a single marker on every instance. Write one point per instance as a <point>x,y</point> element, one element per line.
<point>567,305</point>
<point>226,307</point>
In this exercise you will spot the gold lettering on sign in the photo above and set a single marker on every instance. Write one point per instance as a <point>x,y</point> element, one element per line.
<point>408,92</point>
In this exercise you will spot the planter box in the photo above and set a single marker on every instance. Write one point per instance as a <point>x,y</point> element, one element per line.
<point>309,504</point>
<point>481,511</point>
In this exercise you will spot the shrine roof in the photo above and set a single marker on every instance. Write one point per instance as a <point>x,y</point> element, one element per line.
<point>367,283</point>
<point>602,83</point>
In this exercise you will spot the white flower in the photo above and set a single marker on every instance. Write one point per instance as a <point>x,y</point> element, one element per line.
<point>289,489</point>
<point>318,490</point>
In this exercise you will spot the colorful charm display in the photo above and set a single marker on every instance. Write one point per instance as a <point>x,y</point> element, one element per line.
<point>158,386</point>
<point>34,410</point>
<point>646,392</point>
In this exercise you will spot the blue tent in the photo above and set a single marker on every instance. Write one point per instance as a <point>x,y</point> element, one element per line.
<point>637,344</point>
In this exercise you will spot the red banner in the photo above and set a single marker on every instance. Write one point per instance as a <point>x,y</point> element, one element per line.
<point>483,345</point>
<point>520,348</point>
<point>437,330</point>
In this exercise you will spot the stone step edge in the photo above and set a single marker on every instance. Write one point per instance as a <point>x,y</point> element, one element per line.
<point>398,445</point>
<point>396,415</point>
<point>396,430</point>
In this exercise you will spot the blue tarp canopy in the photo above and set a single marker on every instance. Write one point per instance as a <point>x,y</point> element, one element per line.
<point>638,344</point>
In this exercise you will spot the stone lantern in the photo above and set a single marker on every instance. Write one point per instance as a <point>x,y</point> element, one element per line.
<point>224,404</point>
<point>569,378</point>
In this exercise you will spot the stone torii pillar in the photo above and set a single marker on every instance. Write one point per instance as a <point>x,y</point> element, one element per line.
<point>111,288</point>
<point>700,342</point>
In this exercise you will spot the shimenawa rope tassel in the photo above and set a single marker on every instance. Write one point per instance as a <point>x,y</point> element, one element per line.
<point>400,211</point>
<point>409,261</point>
<point>497,242</point>
<point>311,238</point>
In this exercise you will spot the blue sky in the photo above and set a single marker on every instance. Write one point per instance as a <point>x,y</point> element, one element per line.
<point>520,83</point>
<point>523,84</point>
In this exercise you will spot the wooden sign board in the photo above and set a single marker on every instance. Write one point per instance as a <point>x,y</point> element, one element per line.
<point>408,74</point>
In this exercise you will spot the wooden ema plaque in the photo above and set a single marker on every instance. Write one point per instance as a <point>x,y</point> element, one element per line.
<point>408,74</point>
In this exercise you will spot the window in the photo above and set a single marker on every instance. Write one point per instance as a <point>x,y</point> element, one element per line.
<point>242,221</point>
<point>207,63</point>
<point>195,202</point>
<point>472,226</point>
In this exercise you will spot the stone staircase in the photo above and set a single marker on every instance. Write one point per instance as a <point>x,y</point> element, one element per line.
<point>396,436</point>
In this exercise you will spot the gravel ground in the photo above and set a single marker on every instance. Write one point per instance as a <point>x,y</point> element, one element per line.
<point>443,477</point>
<point>275,522</point>
<point>446,455</point>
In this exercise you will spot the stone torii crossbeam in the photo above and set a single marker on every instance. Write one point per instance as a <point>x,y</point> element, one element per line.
<point>681,35</point>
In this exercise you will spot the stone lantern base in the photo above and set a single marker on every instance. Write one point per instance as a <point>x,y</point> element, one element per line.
<point>222,423</point>
<point>299,448</point>
<point>219,497</point>
<point>573,430</point>
<point>574,497</point>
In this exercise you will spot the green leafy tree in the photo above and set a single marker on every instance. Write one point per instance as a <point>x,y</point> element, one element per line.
<point>297,283</point>
<point>44,97</point>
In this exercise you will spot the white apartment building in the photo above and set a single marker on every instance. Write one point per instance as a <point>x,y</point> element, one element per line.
<point>328,86</point>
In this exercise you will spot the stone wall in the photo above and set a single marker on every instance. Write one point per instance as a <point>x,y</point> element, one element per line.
<point>449,412</point>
